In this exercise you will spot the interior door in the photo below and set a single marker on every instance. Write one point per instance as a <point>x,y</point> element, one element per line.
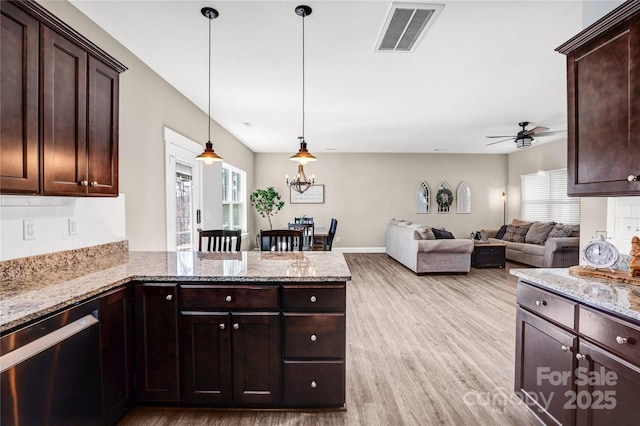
<point>183,191</point>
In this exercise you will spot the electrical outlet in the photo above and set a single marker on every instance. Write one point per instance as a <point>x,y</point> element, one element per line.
<point>73,226</point>
<point>28,229</point>
<point>337,239</point>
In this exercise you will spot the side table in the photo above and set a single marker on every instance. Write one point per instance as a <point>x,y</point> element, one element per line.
<point>488,255</point>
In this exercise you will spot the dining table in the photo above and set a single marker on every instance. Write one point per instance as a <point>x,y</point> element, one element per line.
<point>321,232</point>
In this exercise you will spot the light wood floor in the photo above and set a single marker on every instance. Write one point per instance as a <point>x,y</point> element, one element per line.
<point>421,350</point>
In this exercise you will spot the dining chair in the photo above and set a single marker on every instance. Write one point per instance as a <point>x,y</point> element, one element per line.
<point>332,232</point>
<point>303,219</point>
<point>220,240</point>
<point>307,233</point>
<point>280,240</point>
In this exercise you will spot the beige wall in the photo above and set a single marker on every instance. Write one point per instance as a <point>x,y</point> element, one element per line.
<point>147,104</point>
<point>549,156</point>
<point>364,191</point>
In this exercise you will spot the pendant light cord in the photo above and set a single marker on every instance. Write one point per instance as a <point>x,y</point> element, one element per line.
<point>209,111</point>
<point>303,16</point>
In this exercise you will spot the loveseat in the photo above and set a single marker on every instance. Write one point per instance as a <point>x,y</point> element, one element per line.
<point>416,247</point>
<point>540,244</point>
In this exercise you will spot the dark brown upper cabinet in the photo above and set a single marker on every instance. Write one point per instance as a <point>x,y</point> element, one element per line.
<point>60,115</point>
<point>603,93</point>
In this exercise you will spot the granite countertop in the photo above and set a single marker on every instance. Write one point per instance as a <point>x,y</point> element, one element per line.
<point>609,295</point>
<point>28,298</point>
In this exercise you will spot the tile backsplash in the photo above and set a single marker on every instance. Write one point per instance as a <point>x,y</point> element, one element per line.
<point>58,223</point>
<point>623,221</point>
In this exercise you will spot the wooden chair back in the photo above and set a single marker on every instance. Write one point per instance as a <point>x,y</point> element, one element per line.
<point>307,233</point>
<point>281,240</point>
<point>220,240</point>
<point>332,233</point>
<point>303,219</point>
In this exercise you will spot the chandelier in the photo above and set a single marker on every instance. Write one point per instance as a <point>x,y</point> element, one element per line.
<point>300,182</point>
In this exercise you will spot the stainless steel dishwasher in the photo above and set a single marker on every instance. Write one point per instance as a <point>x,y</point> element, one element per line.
<point>50,370</point>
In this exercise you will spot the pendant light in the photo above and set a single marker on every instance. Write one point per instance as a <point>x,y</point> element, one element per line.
<point>300,182</point>
<point>209,156</point>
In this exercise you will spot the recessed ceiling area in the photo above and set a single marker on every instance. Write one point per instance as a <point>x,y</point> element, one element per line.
<point>481,68</point>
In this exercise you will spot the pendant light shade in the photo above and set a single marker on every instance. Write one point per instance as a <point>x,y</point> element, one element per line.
<point>209,156</point>
<point>300,182</point>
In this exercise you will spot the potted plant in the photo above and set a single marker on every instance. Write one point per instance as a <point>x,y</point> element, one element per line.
<point>267,202</point>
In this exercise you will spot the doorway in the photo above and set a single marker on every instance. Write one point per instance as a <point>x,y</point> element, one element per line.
<point>183,191</point>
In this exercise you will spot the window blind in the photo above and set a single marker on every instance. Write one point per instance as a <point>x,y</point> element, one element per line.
<point>544,198</point>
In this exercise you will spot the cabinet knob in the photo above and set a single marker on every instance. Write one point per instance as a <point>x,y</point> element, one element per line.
<point>314,337</point>
<point>93,183</point>
<point>314,384</point>
<point>83,183</point>
<point>236,326</point>
<point>565,348</point>
<point>228,298</point>
<point>631,178</point>
<point>622,340</point>
<point>313,299</point>
<point>581,357</point>
<point>221,326</point>
<point>169,297</point>
<point>541,303</point>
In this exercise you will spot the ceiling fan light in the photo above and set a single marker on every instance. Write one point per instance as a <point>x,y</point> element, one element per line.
<point>523,142</point>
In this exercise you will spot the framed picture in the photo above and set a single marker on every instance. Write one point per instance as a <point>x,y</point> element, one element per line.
<point>313,195</point>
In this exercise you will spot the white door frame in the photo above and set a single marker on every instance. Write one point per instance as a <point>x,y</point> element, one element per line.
<point>184,150</point>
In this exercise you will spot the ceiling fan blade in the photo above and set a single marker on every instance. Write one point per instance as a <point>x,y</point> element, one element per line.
<point>550,132</point>
<point>505,136</point>
<point>504,140</point>
<point>535,131</point>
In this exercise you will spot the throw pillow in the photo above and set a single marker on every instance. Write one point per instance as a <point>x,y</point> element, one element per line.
<point>561,231</point>
<point>538,232</point>
<point>441,234</point>
<point>425,233</point>
<point>501,232</point>
<point>516,233</point>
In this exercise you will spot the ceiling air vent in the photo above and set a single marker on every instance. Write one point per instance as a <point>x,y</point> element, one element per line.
<point>405,26</point>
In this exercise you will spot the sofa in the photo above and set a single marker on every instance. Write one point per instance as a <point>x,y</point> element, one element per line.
<point>416,247</point>
<point>539,244</point>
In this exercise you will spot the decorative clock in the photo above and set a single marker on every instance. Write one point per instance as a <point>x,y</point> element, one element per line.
<point>600,253</point>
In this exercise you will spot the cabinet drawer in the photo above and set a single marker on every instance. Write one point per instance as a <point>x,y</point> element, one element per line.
<point>213,297</point>
<point>314,299</point>
<point>547,304</point>
<point>314,384</point>
<point>614,334</point>
<point>314,336</point>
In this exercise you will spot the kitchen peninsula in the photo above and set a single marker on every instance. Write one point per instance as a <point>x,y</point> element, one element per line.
<point>248,329</point>
<point>577,347</point>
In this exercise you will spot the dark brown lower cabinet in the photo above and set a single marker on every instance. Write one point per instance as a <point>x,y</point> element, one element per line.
<point>157,344</point>
<point>544,367</point>
<point>118,358</point>
<point>231,359</point>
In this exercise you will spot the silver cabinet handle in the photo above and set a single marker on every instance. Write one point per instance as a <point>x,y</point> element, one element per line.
<point>94,183</point>
<point>565,348</point>
<point>314,337</point>
<point>236,326</point>
<point>228,298</point>
<point>83,183</point>
<point>622,340</point>
<point>581,357</point>
<point>313,299</point>
<point>631,178</point>
<point>169,297</point>
<point>314,384</point>
<point>541,303</point>
<point>221,326</point>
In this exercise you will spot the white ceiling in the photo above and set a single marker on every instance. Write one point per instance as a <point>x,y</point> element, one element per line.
<point>483,67</point>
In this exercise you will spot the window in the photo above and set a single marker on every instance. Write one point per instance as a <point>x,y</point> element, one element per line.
<point>544,198</point>
<point>234,214</point>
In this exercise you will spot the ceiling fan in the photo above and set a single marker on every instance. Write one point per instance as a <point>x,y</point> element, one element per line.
<point>524,138</point>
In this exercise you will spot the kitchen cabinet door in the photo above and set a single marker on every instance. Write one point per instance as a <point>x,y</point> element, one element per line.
<point>64,115</point>
<point>102,135</point>
<point>19,59</point>
<point>256,358</point>
<point>157,351</point>
<point>206,341</point>
<point>544,367</point>
<point>118,360</point>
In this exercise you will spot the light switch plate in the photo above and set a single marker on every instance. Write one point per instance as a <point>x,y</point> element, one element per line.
<point>73,226</point>
<point>28,229</point>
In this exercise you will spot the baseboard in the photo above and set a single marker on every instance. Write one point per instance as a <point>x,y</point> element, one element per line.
<point>360,249</point>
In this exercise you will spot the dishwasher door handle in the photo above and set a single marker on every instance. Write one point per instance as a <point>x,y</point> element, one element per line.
<point>32,349</point>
